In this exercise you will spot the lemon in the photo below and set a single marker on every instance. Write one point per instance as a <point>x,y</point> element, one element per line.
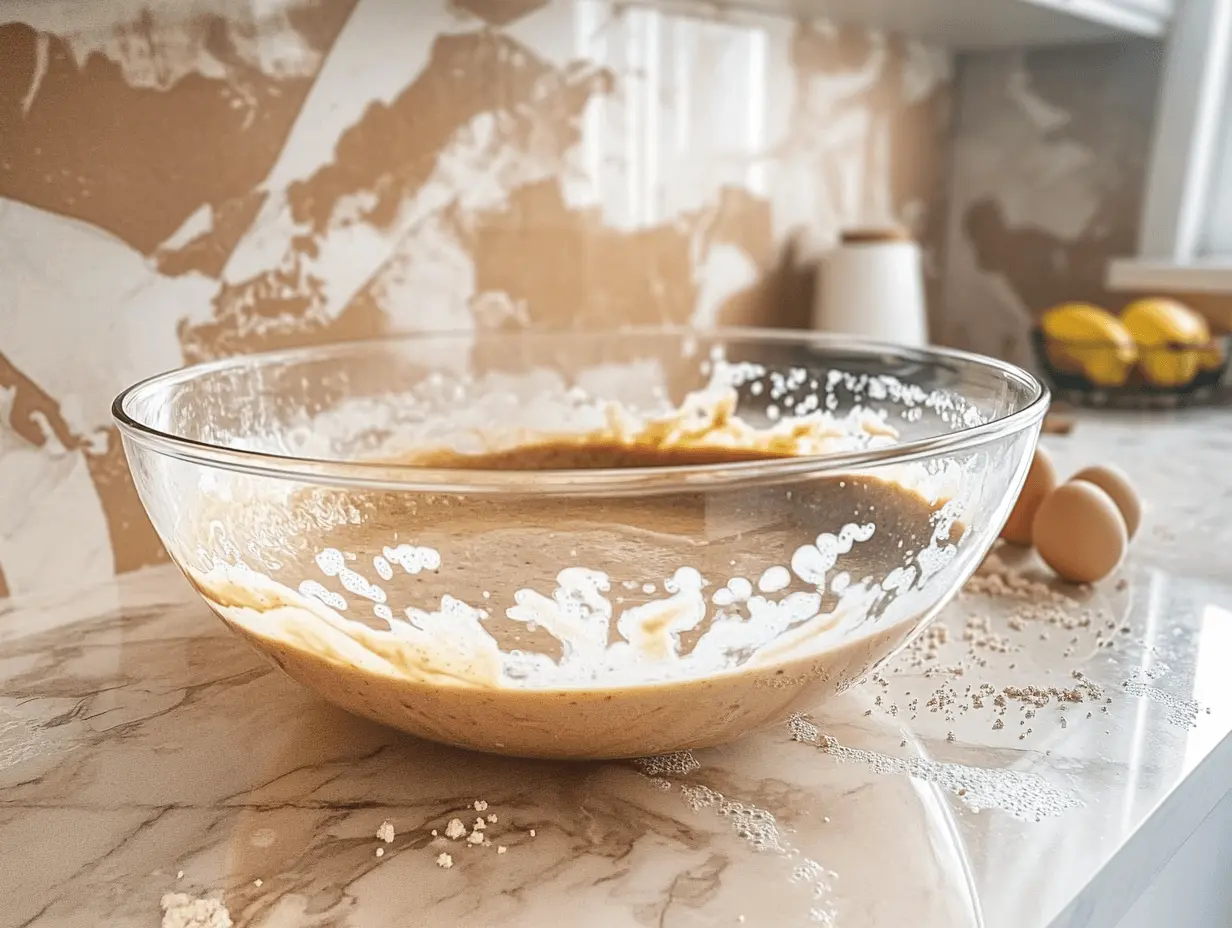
<point>1169,336</point>
<point>1091,339</point>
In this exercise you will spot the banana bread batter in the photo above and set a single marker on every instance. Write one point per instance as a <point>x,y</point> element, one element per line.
<point>551,626</point>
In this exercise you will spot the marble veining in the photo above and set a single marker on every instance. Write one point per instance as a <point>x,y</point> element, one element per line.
<point>145,750</point>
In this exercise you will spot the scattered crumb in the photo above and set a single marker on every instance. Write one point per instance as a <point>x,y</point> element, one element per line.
<point>455,829</point>
<point>949,736</point>
<point>532,832</point>
<point>492,818</point>
<point>475,837</point>
<point>386,831</point>
<point>258,882</point>
<point>444,861</point>
<point>179,874</point>
<point>380,852</point>
<point>434,834</point>
<point>481,806</point>
<point>183,911</point>
<point>500,848</point>
<point>1040,602</point>
<point>997,725</point>
<point>480,824</point>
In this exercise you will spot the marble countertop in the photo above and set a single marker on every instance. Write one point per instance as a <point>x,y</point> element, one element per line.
<point>144,750</point>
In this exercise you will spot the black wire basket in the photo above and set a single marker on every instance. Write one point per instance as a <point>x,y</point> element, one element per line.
<point>1165,376</point>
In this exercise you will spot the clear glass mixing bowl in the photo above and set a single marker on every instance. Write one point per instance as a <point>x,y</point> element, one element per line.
<point>589,612</point>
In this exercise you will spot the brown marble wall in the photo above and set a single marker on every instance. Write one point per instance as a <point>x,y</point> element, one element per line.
<point>186,180</point>
<point>1046,182</point>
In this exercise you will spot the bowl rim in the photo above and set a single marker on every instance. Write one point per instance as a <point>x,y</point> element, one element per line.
<point>375,475</point>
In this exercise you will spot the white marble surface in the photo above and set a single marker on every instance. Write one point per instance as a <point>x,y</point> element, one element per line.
<point>138,739</point>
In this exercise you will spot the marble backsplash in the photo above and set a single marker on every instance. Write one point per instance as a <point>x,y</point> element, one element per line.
<point>187,180</point>
<point>1046,179</point>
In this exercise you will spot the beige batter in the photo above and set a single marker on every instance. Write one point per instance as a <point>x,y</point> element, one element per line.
<point>609,666</point>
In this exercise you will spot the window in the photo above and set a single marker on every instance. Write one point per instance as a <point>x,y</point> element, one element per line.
<point>1186,238</point>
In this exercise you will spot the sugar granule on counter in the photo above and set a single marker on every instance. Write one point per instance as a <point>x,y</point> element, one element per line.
<point>444,861</point>
<point>481,805</point>
<point>455,829</point>
<point>386,832</point>
<point>181,910</point>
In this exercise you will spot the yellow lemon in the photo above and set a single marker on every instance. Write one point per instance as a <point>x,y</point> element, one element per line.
<point>1091,339</point>
<point>1168,335</point>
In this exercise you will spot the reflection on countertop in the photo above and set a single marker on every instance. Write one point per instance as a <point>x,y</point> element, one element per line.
<point>139,740</point>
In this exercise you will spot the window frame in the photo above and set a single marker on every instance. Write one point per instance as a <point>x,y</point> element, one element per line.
<point>1192,136</point>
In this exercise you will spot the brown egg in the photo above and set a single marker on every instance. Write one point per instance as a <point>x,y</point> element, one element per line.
<point>1080,533</point>
<point>1114,482</point>
<point>1041,480</point>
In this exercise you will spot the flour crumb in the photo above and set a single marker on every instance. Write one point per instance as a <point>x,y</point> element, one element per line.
<point>475,837</point>
<point>500,848</point>
<point>492,818</point>
<point>179,874</point>
<point>258,882</point>
<point>434,834</point>
<point>480,824</point>
<point>181,910</point>
<point>532,832</point>
<point>481,806</point>
<point>455,829</point>
<point>380,852</point>
<point>444,861</point>
<point>386,832</point>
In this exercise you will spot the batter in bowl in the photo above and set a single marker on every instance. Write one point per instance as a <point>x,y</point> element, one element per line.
<point>550,640</point>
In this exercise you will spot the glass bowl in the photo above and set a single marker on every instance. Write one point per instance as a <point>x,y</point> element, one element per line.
<point>582,611</point>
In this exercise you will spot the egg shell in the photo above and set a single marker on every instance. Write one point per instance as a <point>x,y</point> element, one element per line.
<point>1080,533</point>
<point>1041,480</point>
<point>1114,481</point>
